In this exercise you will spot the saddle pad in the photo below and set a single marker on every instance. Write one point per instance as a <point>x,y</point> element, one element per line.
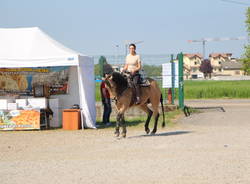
<point>145,83</point>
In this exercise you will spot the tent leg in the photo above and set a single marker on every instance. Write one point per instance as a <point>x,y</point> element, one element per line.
<point>82,120</point>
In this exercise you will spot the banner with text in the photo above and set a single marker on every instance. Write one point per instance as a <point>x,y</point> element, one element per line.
<point>170,77</point>
<point>20,80</point>
<point>19,119</point>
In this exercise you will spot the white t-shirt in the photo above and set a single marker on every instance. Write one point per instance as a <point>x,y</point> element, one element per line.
<point>132,61</point>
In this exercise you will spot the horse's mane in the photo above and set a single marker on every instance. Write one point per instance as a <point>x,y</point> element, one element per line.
<point>120,82</point>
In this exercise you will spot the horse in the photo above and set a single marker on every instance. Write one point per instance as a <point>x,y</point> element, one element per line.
<point>119,89</point>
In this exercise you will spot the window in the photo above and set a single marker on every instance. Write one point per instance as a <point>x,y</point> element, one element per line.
<point>195,63</point>
<point>219,62</point>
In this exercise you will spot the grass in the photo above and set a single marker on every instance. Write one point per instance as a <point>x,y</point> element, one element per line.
<point>216,89</point>
<point>138,122</point>
<point>207,89</point>
<point>97,91</point>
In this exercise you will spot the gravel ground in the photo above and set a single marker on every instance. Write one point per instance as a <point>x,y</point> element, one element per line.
<point>209,147</point>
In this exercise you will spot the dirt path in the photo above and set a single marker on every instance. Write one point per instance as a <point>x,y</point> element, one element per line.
<point>210,147</point>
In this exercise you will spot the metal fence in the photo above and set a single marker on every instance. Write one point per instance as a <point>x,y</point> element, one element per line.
<point>147,59</point>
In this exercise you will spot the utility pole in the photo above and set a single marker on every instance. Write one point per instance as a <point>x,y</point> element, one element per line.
<point>203,49</point>
<point>117,53</point>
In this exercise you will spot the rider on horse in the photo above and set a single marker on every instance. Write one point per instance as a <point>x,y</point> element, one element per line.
<point>133,66</point>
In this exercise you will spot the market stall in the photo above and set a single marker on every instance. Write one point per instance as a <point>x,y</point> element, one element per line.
<point>39,78</point>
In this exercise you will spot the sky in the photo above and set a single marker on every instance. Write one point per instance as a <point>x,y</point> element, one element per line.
<point>101,27</point>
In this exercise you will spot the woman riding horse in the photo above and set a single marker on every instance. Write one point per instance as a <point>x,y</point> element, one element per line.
<point>120,90</point>
<point>133,66</point>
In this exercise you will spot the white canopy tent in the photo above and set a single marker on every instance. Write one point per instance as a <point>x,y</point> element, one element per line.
<point>31,47</point>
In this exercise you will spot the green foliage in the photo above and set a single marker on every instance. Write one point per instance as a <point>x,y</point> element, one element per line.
<point>246,59</point>
<point>206,89</point>
<point>152,70</point>
<point>139,121</point>
<point>246,63</point>
<point>97,70</point>
<point>102,62</point>
<point>216,89</point>
<point>248,20</point>
<point>97,92</point>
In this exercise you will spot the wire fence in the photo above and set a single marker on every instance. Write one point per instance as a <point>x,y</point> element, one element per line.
<point>147,59</point>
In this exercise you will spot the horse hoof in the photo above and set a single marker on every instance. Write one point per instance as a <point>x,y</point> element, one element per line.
<point>124,135</point>
<point>117,134</point>
<point>153,133</point>
<point>147,131</point>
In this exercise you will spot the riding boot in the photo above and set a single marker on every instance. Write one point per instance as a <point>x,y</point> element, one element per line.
<point>137,91</point>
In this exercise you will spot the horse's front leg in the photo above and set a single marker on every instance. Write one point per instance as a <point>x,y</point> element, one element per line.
<point>123,124</point>
<point>121,108</point>
<point>118,123</point>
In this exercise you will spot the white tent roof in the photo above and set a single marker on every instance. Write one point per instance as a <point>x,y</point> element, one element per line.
<point>31,47</point>
<point>32,44</point>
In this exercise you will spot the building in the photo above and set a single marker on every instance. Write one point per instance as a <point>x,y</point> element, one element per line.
<point>192,64</point>
<point>224,64</point>
<point>231,68</point>
<point>216,60</point>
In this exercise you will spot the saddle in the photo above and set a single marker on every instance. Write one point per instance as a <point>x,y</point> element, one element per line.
<point>143,82</point>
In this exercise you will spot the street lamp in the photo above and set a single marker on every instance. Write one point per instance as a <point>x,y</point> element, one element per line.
<point>117,52</point>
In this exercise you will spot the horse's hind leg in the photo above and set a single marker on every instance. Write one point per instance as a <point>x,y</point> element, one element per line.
<point>149,113</point>
<point>156,116</point>
<point>148,120</point>
<point>156,123</point>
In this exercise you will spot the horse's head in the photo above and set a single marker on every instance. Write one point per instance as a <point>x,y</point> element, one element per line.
<point>116,82</point>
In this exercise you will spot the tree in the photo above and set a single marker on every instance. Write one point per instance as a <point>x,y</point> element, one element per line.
<point>246,59</point>
<point>103,67</point>
<point>152,70</point>
<point>102,62</point>
<point>97,70</point>
<point>206,68</point>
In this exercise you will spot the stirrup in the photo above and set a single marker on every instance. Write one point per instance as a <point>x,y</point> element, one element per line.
<point>137,101</point>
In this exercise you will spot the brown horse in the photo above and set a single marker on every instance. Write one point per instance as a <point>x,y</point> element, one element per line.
<point>118,86</point>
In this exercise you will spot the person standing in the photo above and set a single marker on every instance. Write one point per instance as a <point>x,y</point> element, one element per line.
<point>106,103</point>
<point>133,65</point>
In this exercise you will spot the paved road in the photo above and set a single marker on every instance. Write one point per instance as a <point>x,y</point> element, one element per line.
<point>218,103</point>
<point>208,147</point>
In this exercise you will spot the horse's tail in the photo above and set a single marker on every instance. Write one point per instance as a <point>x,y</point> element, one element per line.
<point>162,108</point>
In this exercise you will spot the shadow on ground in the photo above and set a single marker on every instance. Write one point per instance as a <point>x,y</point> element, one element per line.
<point>162,134</point>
